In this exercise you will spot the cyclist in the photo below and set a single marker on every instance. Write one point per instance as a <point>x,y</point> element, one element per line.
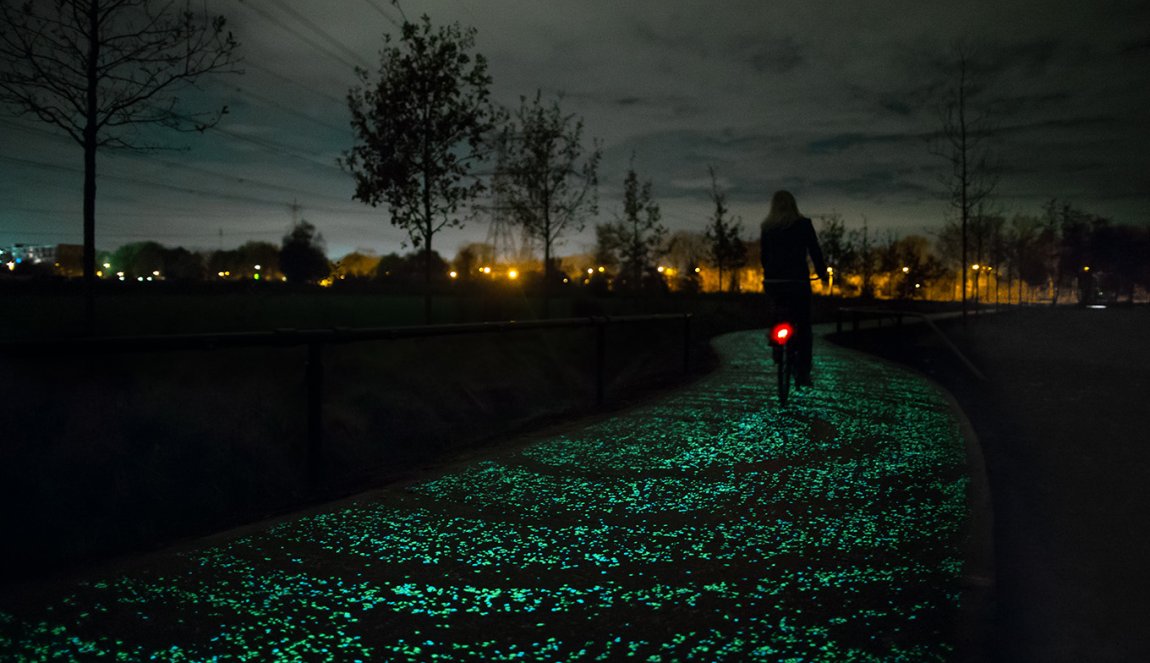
<point>787,239</point>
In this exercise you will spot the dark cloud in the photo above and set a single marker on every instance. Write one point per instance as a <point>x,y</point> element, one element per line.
<point>842,142</point>
<point>776,56</point>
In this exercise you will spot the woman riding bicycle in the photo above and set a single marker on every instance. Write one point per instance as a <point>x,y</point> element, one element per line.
<point>787,238</point>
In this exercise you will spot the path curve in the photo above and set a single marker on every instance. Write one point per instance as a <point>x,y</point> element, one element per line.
<point>708,524</point>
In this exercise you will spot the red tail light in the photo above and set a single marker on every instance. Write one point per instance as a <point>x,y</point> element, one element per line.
<point>782,333</point>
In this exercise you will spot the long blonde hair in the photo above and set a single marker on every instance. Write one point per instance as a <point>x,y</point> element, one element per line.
<point>784,210</point>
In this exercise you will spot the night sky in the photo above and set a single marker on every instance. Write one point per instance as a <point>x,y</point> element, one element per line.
<point>832,102</point>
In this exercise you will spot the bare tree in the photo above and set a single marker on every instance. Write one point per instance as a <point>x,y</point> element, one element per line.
<point>864,256</point>
<point>724,235</point>
<point>420,127</point>
<point>837,246</point>
<point>962,141</point>
<point>547,179</point>
<point>99,70</point>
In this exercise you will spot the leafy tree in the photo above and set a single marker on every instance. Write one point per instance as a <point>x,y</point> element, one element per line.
<point>607,243</point>
<point>686,251</point>
<point>99,70</point>
<point>914,266</point>
<point>302,257</point>
<point>181,264</point>
<point>471,257</point>
<point>1023,259</point>
<point>547,177</point>
<point>420,125</point>
<point>1124,250</point>
<point>138,259</point>
<point>264,254</point>
<point>357,265</point>
<point>409,268</point>
<point>723,235</point>
<point>637,237</point>
<point>240,263</point>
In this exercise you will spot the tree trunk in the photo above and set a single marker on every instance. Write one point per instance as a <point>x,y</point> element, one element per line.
<point>427,262</point>
<point>90,144</point>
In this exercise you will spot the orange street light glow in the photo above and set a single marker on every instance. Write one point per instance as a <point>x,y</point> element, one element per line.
<point>513,274</point>
<point>453,274</point>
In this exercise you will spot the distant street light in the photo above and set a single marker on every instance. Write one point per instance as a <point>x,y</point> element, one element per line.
<point>513,274</point>
<point>453,274</point>
<point>905,270</point>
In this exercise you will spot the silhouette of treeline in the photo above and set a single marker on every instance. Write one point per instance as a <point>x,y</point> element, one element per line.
<point>1062,254</point>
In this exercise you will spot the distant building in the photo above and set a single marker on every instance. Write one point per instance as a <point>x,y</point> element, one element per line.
<point>65,259</point>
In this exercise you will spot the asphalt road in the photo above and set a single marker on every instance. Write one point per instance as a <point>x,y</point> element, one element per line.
<point>705,524</point>
<point>1062,421</point>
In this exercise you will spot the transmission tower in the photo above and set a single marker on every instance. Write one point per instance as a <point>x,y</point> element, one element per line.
<point>511,247</point>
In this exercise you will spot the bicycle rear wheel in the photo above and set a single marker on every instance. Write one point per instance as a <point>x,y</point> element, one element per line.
<point>785,369</point>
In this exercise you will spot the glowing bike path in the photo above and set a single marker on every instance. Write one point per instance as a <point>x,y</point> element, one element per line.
<point>706,525</point>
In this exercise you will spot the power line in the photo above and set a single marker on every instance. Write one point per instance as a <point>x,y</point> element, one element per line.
<point>318,93</point>
<point>290,111</point>
<point>299,35</point>
<point>323,34</point>
<point>386,16</point>
<point>266,145</point>
<point>172,187</point>
<point>172,164</point>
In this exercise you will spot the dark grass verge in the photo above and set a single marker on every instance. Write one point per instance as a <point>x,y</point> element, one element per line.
<point>1062,423</point>
<point>115,454</point>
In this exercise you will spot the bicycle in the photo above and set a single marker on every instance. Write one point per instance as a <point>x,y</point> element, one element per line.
<point>784,353</point>
<point>785,357</point>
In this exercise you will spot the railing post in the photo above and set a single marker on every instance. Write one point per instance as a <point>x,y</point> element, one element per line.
<point>314,380</point>
<point>686,343</point>
<point>600,358</point>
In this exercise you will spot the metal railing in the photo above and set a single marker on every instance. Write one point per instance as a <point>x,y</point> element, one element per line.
<point>316,339</point>
<point>859,313</point>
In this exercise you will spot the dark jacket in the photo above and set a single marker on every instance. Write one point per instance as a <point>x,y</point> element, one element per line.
<point>784,252</point>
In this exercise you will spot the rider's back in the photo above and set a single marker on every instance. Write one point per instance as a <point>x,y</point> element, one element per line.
<point>785,247</point>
